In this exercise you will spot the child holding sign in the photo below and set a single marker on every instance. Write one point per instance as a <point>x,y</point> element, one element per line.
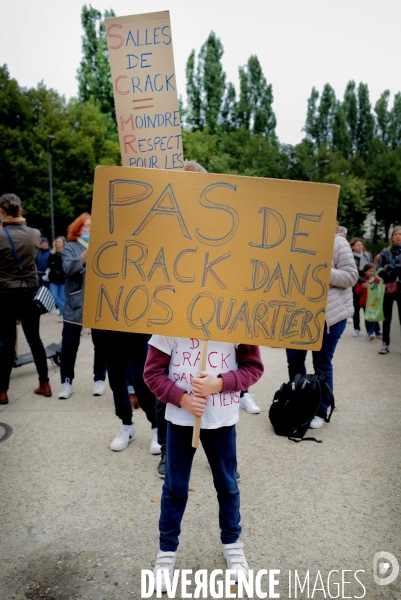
<point>172,373</point>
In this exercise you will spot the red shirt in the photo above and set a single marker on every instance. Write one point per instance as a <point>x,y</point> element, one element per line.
<point>362,292</point>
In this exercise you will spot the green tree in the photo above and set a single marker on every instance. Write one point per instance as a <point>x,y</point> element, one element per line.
<point>384,183</point>
<point>351,114</point>
<point>229,111</point>
<point>255,110</point>
<point>205,85</point>
<point>94,76</point>
<point>395,123</point>
<point>320,117</point>
<point>365,128</point>
<point>341,135</point>
<point>213,80</point>
<point>312,120</point>
<point>382,117</point>
<point>84,138</point>
<point>194,110</point>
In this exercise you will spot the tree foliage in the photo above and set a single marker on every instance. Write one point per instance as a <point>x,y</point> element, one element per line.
<point>227,129</point>
<point>83,139</point>
<point>94,75</point>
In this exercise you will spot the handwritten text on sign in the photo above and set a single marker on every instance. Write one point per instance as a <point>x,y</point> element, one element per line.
<point>145,91</point>
<point>217,257</point>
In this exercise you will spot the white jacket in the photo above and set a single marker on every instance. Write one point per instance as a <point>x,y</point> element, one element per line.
<point>343,277</point>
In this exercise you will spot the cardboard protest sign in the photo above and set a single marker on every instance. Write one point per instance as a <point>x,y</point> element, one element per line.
<point>145,94</point>
<point>221,257</point>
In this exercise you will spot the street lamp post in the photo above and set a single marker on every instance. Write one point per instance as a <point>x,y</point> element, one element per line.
<point>51,138</point>
<point>310,171</point>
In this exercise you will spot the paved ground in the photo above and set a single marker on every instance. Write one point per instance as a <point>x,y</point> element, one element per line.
<point>79,521</point>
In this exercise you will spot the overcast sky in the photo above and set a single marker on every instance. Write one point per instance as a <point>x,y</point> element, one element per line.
<point>299,43</point>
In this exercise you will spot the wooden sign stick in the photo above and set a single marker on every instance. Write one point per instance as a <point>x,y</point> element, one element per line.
<point>197,422</point>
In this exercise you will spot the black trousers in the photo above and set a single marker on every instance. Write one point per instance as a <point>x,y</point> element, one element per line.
<point>126,352</point>
<point>69,348</point>
<point>19,305</point>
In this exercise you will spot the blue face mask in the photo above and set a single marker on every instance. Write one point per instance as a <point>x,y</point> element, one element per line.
<point>85,237</point>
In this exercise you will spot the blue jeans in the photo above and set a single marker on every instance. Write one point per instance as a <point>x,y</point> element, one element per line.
<point>370,325</point>
<point>69,347</point>
<point>322,360</point>
<point>57,291</point>
<point>126,354</point>
<point>220,449</point>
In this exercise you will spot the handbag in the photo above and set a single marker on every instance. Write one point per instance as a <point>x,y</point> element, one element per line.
<point>392,287</point>
<point>43,298</point>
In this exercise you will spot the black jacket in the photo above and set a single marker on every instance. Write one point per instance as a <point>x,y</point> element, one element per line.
<point>56,274</point>
<point>392,258</point>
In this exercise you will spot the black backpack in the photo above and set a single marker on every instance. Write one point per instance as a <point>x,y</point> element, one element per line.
<point>296,403</point>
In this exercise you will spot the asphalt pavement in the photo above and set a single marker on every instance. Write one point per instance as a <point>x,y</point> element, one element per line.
<point>80,521</point>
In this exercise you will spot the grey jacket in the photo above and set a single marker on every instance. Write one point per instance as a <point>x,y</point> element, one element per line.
<point>75,273</point>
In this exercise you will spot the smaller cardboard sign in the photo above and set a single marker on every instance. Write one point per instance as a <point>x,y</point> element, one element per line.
<point>222,257</point>
<point>145,90</point>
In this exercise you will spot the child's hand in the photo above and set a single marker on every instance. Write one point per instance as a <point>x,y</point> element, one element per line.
<point>193,404</point>
<point>206,384</point>
<point>365,285</point>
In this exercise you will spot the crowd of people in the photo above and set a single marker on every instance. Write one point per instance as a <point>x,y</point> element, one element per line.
<point>385,267</point>
<point>141,371</point>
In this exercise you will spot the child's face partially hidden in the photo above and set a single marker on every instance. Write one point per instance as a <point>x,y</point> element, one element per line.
<point>370,273</point>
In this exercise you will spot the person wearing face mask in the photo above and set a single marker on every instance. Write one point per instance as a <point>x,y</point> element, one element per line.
<point>74,259</point>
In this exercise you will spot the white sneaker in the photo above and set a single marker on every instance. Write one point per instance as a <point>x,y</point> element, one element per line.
<point>317,422</point>
<point>165,561</point>
<point>356,333</point>
<point>123,438</point>
<point>66,390</point>
<point>98,388</point>
<point>350,320</point>
<point>155,447</point>
<point>372,337</point>
<point>235,557</point>
<point>246,402</point>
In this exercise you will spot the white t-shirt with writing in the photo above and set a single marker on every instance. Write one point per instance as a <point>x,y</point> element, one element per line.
<point>221,408</point>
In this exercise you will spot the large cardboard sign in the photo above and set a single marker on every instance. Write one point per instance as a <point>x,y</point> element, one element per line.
<point>221,257</point>
<point>145,94</point>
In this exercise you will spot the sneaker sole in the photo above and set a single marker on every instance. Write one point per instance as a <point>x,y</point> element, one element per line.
<point>155,452</point>
<point>98,394</point>
<point>65,397</point>
<point>251,412</point>
<point>120,449</point>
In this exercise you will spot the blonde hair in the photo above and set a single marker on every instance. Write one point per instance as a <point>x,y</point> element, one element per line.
<point>191,165</point>
<point>54,248</point>
<point>398,228</point>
